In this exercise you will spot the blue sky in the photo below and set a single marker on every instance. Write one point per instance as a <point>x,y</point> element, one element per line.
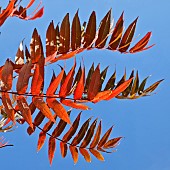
<point>144,122</point>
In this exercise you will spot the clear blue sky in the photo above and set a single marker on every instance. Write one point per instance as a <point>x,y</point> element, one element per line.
<point>144,122</point>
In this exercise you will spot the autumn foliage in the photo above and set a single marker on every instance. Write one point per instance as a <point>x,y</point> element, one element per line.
<point>74,89</point>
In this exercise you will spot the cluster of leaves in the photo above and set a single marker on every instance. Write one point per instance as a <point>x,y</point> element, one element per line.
<point>15,9</point>
<point>74,89</point>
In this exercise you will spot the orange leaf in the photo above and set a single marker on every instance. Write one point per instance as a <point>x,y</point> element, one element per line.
<point>63,148</point>
<point>119,89</point>
<point>42,106</point>
<point>51,149</point>
<point>25,110</point>
<point>7,76</point>
<point>80,86</point>
<point>41,140</point>
<point>24,75</point>
<point>74,153</point>
<point>94,85</point>
<point>58,109</point>
<point>74,105</point>
<point>101,96</point>
<point>97,154</point>
<point>54,85</point>
<point>6,13</point>
<point>66,86</point>
<point>38,77</point>
<point>85,154</point>
<point>97,136</point>
<point>8,106</point>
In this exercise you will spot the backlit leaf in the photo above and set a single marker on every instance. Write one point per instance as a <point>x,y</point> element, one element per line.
<point>58,109</point>
<point>117,34</point>
<point>38,77</point>
<point>85,154</point>
<point>6,101</point>
<point>76,32</point>
<point>90,30</point>
<point>104,30</point>
<point>127,37</point>
<point>63,148</point>
<point>111,82</point>
<point>119,89</point>
<point>112,143</point>
<point>23,79</point>
<point>80,86</point>
<point>74,104</point>
<point>7,76</point>
<point>89,135</point>
<point>51,149</point>
<point>94,84</point>
<point>42,106</point>
<point>105,137</point>
<point>97,154</point>
<point>97,136</point>
<point>66,86</point>
<point>25,110</point>
<point>74,153</point>
<point>54,85</point>
<point>72,129</point>
<point>77,139</point>
<point>65,35</point>
<point>141,44</point>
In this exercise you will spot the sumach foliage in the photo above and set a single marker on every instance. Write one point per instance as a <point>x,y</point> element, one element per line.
<point>74,89</point>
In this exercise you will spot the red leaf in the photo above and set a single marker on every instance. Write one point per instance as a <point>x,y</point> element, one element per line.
<point>8,106</point>
<point>38,77</point>
<point>97,154</point>
<point>54,85</point>
<point>58,109</point>
<point>6,13</point>
<point>94,84</point>
<point>41,140</point>
<point>39,14</point>
<point>66,86</point>
<point>42,106</point>
<point>25,110</point>
<point>65,56</point>
<point>74,105</point>
<point>119,89</point>
<point>80,86</point>
<point>7,76</point>
<point>140,46</point>
<point>85,154</point>
<point>51,149</point>
<point>63,148</point>
<point>24,75</point>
